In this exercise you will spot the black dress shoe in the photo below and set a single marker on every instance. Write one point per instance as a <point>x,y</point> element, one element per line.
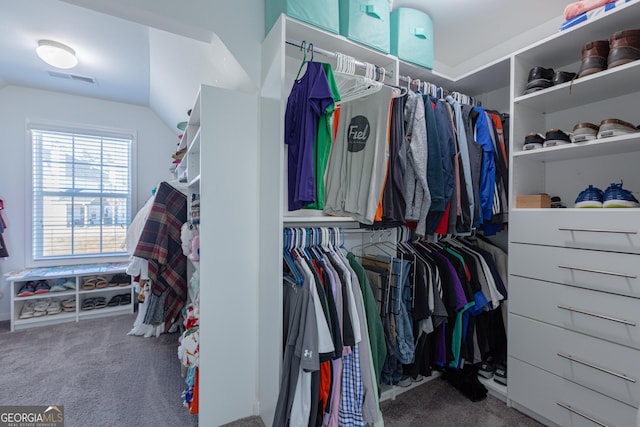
<point>533,141</point>
<point>539,78</point>
<point>556,137</point>
<point>562,77</point>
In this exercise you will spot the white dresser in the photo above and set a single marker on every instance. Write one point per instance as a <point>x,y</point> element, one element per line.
<point>574,274</point>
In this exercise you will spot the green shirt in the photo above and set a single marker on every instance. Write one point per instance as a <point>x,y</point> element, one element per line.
<point>323,140</point>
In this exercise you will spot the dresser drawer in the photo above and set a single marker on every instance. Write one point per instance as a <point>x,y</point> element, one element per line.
<point>615,230</point>
<point>563,402</point>
<point>608,368</point>
<point>604,271</point>
<point>607,316</point>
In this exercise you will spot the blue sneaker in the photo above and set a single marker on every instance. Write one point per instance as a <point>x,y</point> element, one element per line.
<point>591,197</point>
<point>617,197</point>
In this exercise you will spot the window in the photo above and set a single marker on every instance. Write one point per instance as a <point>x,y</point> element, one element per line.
<point>81,193</point>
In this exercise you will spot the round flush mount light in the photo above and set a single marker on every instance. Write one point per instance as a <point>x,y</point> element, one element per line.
<point>56,54</point>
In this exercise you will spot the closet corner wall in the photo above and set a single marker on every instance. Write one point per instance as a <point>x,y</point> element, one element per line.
<point>280,63</point>
<point>228,259</point>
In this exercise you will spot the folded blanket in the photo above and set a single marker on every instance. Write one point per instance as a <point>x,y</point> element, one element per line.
<point>574,9</point>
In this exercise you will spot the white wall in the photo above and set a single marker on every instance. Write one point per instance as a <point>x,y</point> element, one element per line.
<point>155,143</point>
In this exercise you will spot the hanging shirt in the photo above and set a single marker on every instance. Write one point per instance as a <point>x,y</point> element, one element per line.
<point>358,163</point>
<point>309,98</point>
<point>324,139</point>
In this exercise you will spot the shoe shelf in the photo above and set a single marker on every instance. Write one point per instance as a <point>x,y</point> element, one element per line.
<point>581,150</point>
<point>104,290</point>
<point>46,295</point>
<point>74,274</point>
<point>555,49</point>
<point>611,83</point>
<point>106,311</point>
<point>390,392</point>
<point>43,320</point>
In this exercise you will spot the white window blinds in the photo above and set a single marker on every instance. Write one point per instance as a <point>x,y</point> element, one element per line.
<point>81,193</point>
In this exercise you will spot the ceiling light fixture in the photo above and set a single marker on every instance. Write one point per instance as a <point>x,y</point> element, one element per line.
<point>56,54</point>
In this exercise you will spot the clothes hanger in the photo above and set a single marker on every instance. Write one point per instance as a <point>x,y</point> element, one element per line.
<point>303,48</point>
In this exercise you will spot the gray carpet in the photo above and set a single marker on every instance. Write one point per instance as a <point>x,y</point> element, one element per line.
<point>437,403</point>
<point>102,376</point>
<point>105,378</point>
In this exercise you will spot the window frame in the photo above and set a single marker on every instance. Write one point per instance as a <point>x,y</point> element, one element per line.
<point>79,128</point>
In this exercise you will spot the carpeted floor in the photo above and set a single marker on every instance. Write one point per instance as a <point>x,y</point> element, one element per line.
<point>102,376</point>
<point>437,403</point>
<point>105,378</point>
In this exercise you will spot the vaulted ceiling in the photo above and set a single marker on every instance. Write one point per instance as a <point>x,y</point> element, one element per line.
<point>134,63</point>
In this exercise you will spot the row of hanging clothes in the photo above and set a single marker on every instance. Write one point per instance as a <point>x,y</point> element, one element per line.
<point>386,312</point>
<point>394,156</point>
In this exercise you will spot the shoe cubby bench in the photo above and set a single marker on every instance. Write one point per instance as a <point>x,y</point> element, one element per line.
<point>51,295</point>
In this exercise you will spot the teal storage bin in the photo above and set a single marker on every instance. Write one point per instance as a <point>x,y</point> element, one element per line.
<point>366,22</point>
<point>319,13</point>
<point>412,36</point>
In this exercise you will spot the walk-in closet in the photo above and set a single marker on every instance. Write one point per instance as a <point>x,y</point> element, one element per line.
<point>335,213</point>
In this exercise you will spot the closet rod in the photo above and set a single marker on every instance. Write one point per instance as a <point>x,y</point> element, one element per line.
<point>473,101</point>
<point>327,53</point>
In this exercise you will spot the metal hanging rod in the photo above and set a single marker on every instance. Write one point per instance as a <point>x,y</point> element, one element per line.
<point>333,55</point>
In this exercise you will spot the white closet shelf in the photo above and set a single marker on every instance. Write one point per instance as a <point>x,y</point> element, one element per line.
<point>194,145</point>
<point>299,31</point>
<point>606,84</point>
<point>47,295</point>
<point>102,290</point>
<point>492,76</point>
<point>390,392</point>
<point>106,311</point>
<point>557,48</point>
<point>319,219</point>
<point>195,181</point>
<point>598,147</point>
<point>64,316</point>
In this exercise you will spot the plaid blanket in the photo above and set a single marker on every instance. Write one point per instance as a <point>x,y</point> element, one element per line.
<point>160,244</point>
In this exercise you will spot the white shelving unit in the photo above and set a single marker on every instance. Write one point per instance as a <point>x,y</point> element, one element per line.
<point>280,63</point>
<point>77,274</point>
<point>573,299</point>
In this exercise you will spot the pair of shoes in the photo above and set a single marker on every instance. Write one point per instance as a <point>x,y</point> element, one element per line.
<point>68,305</point>
<point>552,138</point>
<point>621,48</point>
<point>615,127</point>
<point>91,283</point>
<point>63,284</point>
<point>500,375</point>
<point>542,78</point>
<point>27,290</point>
<point>122,299</point>
<point>556,202</point>
<point>120,279</point>
<point>613,197</point>
<point>27,310</point>
<point>91,303</point>
<point>487,368</point>
<point>42,287</point>
<point>610,127</point>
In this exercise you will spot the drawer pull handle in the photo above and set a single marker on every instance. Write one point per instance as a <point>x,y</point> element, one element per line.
<point>570,409</point>
<point>599,316</point>
<point>606,371</point>
<point>609,273</point>
<point>597,230</point>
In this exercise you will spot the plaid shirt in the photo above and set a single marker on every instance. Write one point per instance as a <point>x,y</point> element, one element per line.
<point>160,244</point>
<point>350,412</point>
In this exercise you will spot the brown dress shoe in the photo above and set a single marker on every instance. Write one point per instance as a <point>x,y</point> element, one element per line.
<point>624,47</point>
<point>594,57</point>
